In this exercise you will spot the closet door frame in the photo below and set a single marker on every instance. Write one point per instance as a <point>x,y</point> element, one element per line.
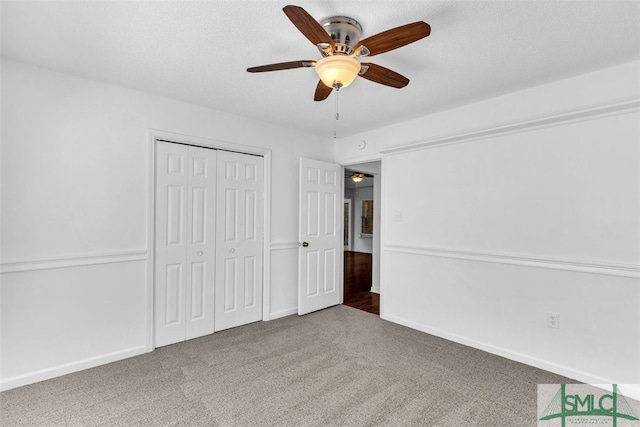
<point>156,135</point>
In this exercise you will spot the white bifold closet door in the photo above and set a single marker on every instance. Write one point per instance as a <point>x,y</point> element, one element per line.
<point>238,291</point>
<point>184,242</point>
<point>208,241</point>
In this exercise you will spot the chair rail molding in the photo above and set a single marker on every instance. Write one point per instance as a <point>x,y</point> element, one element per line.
<point>77,260</point>
<point>575,265</point>
<point>284,245</point>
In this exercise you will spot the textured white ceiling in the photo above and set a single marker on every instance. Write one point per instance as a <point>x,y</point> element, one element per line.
<point>198,52</point>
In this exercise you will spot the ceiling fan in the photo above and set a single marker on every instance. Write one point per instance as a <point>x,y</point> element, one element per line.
<point>357,176</point>
<point>338,40</point>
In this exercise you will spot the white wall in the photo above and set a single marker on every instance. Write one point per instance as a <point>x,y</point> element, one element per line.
<point>530,204</point>
<point>75,210</point>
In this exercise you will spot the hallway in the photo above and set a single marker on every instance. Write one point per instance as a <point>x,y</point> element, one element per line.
<point>357,283</point>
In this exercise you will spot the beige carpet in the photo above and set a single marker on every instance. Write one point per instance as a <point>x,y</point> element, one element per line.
<point>336,367</point>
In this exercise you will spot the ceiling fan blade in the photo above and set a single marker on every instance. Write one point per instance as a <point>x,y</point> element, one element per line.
<point>322,91</point>
<point>384,76</point>
<point>395,38</point>
<point>281,66</point>
<point>307,25</point>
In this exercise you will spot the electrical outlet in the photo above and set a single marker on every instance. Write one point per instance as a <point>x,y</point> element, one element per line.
<point>553,320</point>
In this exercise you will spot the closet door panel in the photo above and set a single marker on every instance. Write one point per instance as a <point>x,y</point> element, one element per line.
<point>239,260</point>
<point>171,242</point>
<point>201,249</point>
<point>184,242</point>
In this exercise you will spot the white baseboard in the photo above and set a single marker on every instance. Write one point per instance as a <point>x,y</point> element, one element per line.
<point>375,291</point>
<point>67,368</point>
<point>284,313</point>
<point>629,390</point>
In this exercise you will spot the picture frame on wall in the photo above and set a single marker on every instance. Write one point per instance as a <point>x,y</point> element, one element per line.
<point>367,218</point>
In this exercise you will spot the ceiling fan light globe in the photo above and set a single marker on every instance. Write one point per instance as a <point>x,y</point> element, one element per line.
<point>340,70</point>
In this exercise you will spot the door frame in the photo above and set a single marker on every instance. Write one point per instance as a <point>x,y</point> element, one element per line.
<point>349,230</point>
<point>155,135</point>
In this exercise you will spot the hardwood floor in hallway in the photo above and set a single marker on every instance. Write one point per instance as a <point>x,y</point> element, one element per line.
<point>357,283</point>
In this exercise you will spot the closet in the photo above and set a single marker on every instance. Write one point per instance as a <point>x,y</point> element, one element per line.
<point>208,241</point>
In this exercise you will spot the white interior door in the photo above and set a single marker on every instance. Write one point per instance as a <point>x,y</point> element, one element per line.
<point>239,242</point>
<point>184,242</point>
<point>320,219</point>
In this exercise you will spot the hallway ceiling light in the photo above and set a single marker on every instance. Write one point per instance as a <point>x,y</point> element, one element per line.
<point>357,177</point>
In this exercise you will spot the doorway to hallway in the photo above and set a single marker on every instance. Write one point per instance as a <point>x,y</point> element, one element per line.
<point>362,194</point>
<point>357,283</point>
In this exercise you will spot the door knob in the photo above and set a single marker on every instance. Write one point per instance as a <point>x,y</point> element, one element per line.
<point>232,250</point>
<point>200,253</point>
<point>305,244</point>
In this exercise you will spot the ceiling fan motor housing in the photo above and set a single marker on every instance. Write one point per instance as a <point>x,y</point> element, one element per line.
<point>345,33</point>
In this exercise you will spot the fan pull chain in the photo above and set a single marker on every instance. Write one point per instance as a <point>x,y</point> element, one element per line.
<point>337,116</point>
